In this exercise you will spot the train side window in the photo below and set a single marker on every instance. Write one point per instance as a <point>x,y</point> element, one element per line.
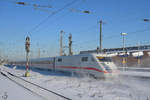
<point>84,59</point>
<point>59,59</point>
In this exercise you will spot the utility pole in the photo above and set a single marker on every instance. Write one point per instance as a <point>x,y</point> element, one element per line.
<point>100,46</point>
<point>61,42</point>
<point>70,44</point>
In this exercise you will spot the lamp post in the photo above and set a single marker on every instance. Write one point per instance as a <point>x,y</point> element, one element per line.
<point>123,60</point>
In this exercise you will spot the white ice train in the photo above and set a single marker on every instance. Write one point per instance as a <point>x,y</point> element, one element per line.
<point>98,65</point>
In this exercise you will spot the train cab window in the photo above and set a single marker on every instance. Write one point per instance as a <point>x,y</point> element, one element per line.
<point>59,59</point>
<point>84,59</point>
<point>104,59</point>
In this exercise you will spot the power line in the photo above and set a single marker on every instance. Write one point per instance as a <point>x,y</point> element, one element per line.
<point>56,19</point>
<point>43,6</point>
<point>52,14</point>
<point>60,17</point>
<point>113,36</point>
<point>140,31</point>
<point>129,33</point>
<point>28,4</point>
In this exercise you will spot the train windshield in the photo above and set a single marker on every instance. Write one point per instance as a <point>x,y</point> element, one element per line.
<point>108,68</point>
<point>104,59</point>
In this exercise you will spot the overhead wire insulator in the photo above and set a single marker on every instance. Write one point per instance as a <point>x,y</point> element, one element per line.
<point>86,11</point>
<point>34,5</point>
<point>21,3</point>
<point>76,10</point>
<point>146,20</point>
<point>43,6</point>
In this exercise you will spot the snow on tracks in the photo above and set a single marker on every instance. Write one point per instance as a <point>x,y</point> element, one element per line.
<point>36,89</point>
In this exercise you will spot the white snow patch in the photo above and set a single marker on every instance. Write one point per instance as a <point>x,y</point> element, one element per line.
<point>121,88</point>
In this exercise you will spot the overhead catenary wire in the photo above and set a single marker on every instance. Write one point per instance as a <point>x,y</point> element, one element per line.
<point>52,14</point>
<point>21,3</point>
<point>129,33</point>
<point>56,19</point>
<point>46,25</point>
<point>115,36</point>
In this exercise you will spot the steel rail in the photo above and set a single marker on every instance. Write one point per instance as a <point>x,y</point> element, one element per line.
<point>65,98</point>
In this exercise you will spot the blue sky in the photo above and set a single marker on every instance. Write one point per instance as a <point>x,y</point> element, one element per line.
<point>17,22</point>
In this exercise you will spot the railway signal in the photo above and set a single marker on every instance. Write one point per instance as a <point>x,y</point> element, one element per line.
<point>27,48</point>
<point>70,44</point>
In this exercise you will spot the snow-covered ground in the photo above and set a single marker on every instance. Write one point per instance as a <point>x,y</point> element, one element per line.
<point>120,88</point>
<point>135,71</point>
<point>11,91</point>
<point>136,74</point>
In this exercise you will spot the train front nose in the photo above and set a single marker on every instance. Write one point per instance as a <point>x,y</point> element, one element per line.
<point>111,70</point>
<point>111,74</point>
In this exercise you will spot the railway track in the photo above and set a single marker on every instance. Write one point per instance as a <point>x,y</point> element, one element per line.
<point>134,76</point>
<point>34,88</point>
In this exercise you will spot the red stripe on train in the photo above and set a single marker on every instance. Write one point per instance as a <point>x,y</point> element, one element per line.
<point>88,68</point>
